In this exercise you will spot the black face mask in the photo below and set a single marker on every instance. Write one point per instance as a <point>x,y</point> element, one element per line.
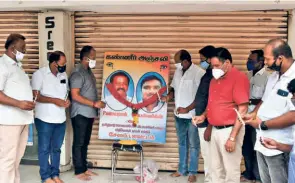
<point>274,67</point>
<point>61,69</point>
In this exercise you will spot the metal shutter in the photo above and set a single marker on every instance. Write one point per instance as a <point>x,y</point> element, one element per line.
<point>240,32</point>
<point>25,23</point>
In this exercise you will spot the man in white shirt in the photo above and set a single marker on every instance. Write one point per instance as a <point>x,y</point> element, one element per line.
<point>258,78</point>
<point>184,85</point>
<point>287,119</point>
<point>16,108</point>
<point>275,103</point>
<point>50,86</point>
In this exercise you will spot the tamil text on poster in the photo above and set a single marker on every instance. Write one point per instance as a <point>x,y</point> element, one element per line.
<point>133,84</point>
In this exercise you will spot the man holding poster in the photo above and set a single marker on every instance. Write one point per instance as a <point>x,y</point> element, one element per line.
<point>84,110</point>
<point>184,85</point>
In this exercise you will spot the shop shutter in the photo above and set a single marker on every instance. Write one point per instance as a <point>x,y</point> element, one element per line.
<point>25,23</point>
<point>240,32</point>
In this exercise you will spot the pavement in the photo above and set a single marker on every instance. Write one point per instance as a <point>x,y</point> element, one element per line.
<point>30,174</point>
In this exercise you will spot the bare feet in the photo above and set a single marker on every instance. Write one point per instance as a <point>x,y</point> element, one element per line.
<point>244,179</point>
<point>58,180</point>
<point>49,181</point>
<point>175,174</point>
<point>192,178</point>
<point>83,177</point>
<point>90,173</point>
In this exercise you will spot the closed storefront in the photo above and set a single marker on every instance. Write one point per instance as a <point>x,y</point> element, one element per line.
<point>25,23</point>
<point>240,32</point>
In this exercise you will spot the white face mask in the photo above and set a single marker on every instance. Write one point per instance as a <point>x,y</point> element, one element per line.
<point>217,73</point>
<point>178,66</point>
<point>19,56</point>
<point>92,63</point>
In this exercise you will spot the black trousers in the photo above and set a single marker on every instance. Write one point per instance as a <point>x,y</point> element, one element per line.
<point>251,172</point>
<point>82,128</point>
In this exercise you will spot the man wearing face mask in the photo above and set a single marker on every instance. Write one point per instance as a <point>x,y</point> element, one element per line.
<point>84,109</point>
<point>50,87</point>
<point>229,90</point>
<point>201,102</point>
<point>279,124</point>
<point>184,85</point>
<point>16,108</point>
<point>205,56</point>
<point>258,77</point>
<point>275,108</point>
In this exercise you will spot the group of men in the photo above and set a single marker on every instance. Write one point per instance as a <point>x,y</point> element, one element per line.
<point>212,104</point>
<point>227,115</point>
<point>49,93</point>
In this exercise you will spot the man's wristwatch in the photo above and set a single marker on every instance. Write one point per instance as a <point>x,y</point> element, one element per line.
<point>263,126</point>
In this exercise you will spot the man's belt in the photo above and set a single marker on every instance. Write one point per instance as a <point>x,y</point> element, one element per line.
<point>254,101</point>
<point>222,127</point>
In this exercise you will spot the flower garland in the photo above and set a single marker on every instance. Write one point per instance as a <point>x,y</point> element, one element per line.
<point>135,107</point>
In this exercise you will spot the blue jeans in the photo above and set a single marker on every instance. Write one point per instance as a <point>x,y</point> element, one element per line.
<point>188,141</point>
<point>50,139</point>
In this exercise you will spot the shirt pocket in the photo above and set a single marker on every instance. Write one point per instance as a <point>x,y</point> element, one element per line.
<point>187,82</point>
<point>279,102</point>
<point>20,79</point>
<point>187,86</point>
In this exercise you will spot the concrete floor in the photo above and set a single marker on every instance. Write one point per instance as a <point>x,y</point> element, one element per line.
<point>30,174</point>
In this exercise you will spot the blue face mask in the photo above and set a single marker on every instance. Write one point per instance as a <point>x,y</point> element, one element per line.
<point>250,65</point>
<point>204,64</point>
